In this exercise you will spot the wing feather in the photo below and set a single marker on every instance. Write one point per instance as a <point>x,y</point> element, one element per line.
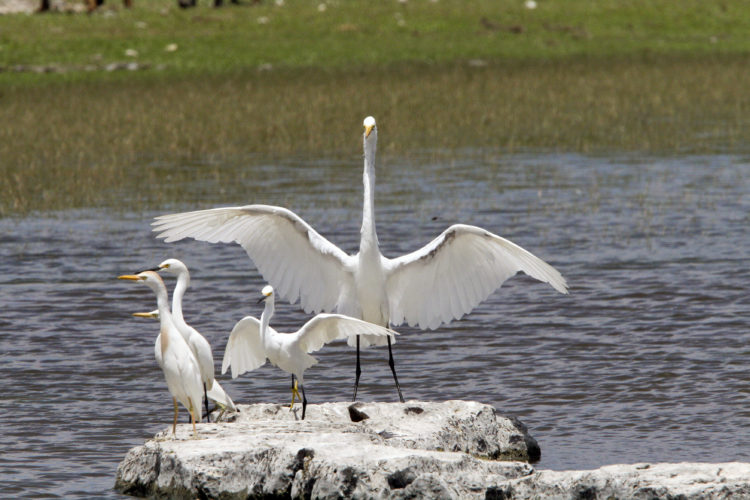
<point>219,395</point>
<point>289,253</point>
<point>244,350</point>
<point>452,274</point>
<point>201,349</point>
<point>325,328</point>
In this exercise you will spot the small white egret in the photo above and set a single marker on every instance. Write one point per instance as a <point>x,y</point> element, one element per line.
<point>197,342</point>
<point>436,284</point>
<point>217,394</point>
<point>174,356</point>
<point>252,341</point>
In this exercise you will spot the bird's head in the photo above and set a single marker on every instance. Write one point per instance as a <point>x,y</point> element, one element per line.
<point>150,278</point>
<point>173,266</point>
<point>370,127</point>
<point>265,293</point>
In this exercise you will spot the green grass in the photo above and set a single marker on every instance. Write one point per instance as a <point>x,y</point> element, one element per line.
<point>355,34</point>
<point>76,146</point>
<point>652,77</point>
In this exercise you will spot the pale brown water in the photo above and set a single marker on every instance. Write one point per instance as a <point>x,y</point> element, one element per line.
<point>645,360</point>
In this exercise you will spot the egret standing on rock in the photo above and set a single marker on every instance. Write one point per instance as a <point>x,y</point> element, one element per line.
<point>174,356</point>
<point>252,341</point>
<point>197,342</point>
<point>440,282</point>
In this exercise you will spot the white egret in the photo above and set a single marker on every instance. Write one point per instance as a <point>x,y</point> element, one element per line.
<point>174,356</point>
<point>197,342</point>
<point>217,394</point>
<point>252,341</point>
<point>438,283</point>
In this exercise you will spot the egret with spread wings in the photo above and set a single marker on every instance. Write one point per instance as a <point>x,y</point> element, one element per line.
<point>436,284</point>
<point>252,341</point>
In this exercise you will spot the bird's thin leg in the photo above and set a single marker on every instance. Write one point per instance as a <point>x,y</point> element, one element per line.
<point>192,417</point>
<point>294,392</point>
<point>357,373</point>
<point>393,369</point>
<point>304,401</point>
<point>205,395</point>
<point>174,424</point>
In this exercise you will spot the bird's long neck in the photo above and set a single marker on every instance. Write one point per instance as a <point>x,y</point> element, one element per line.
<point>265,319</point>
<point>162,301</point>
<point>165,317</point>
<point>368,236</point>
<point>183,280</point>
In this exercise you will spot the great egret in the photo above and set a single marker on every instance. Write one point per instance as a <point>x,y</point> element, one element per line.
<point>440,282</point>
<point>216,393</point>
<point>173,355</point>
<point>197,342</point>
<point>252,341</point>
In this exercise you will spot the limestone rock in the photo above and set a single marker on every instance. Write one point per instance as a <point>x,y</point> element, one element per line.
<point>683,481</point>
<point>413,450</point>
<point>393,450</point>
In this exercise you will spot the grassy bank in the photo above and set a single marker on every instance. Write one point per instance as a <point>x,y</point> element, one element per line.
<point>358,33</point>
<point>76,146</point>
<point>636,76</point>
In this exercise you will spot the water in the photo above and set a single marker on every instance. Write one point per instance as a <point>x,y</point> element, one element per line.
<point>645,360</point>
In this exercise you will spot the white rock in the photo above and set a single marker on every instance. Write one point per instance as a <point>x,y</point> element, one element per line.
<point>415,450</point>
<point>684,481</point>
<point>385,450</point>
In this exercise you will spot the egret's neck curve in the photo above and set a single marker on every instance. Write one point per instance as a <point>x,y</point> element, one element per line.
<point>183,281</point>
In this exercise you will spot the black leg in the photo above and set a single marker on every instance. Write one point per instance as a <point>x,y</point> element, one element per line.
<point>304,401</point>
<point>205,397</point>
<point>357,373</point>
<point>393,369</point>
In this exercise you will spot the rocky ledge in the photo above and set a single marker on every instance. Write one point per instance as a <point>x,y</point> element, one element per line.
<point>454,449</point>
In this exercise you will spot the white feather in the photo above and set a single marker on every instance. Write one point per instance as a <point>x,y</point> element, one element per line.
<point>252,341</point>
<point>466,263</point>
<point>244,351</point>
<point>217,394</point>
<point>287,251</point>
<point>172,353</point>
<point>438,283</point>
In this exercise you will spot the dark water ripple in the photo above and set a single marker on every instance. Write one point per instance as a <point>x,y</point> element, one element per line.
<point>645,360</point>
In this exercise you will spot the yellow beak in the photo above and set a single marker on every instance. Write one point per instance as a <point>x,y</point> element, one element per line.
<point>131,277</point>
<point>144,315</point>
<point>368,129</point>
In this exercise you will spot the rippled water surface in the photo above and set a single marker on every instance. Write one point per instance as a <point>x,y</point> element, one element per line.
<point>646,359</point>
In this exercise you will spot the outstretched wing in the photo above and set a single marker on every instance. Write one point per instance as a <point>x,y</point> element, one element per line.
<point>325,328</point>
<point>288,252</point>
<point>244,350</point>
<point>452,274</point>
